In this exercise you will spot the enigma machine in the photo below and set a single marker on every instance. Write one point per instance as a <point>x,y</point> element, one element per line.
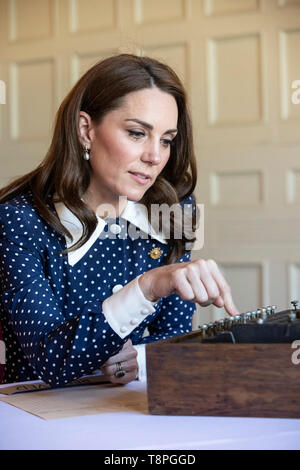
<point>248,365</point>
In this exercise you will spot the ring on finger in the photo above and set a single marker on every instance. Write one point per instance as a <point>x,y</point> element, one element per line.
<point>120,372</point>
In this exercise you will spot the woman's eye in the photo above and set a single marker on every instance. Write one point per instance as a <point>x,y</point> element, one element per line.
<point>167,142</point>
<point>136,134</point>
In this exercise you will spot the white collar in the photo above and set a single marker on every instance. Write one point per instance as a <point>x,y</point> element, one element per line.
<point>134,213</point>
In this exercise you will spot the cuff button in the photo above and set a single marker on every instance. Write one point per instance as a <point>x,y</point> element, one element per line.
<point>116,288</point>
<point>144,311</point>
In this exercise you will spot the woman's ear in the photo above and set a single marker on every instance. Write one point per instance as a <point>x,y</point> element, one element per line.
<point>85,128</point>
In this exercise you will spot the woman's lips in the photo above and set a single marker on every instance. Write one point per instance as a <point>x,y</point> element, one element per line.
<point>140,177</point>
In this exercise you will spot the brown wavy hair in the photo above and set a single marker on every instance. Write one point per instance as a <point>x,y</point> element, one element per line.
<point>65,173</point>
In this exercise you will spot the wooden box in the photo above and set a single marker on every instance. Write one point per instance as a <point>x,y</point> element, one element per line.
<point>187,377</point>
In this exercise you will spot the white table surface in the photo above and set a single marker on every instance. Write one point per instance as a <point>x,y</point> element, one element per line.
<point>133,431</point>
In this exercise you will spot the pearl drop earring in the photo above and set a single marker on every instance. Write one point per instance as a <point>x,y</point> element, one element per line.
<point>86,154</point>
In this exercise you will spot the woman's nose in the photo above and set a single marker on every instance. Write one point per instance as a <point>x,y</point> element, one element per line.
<point>151,153</point>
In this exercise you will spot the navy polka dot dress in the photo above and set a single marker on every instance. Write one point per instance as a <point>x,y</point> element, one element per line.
<point>51,311</point>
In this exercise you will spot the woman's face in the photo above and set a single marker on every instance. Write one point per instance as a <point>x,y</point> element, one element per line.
<point>130,147</point>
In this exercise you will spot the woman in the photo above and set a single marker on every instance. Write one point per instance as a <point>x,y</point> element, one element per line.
<point>78,293</point>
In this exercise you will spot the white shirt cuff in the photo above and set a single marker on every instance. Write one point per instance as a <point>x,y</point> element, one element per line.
<point>127,308</point>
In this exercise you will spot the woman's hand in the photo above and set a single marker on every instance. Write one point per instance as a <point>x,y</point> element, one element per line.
<point>128,359</point>
<point>199,281</point>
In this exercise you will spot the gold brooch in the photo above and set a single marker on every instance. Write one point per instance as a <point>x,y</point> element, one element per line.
<point>155,253</point>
